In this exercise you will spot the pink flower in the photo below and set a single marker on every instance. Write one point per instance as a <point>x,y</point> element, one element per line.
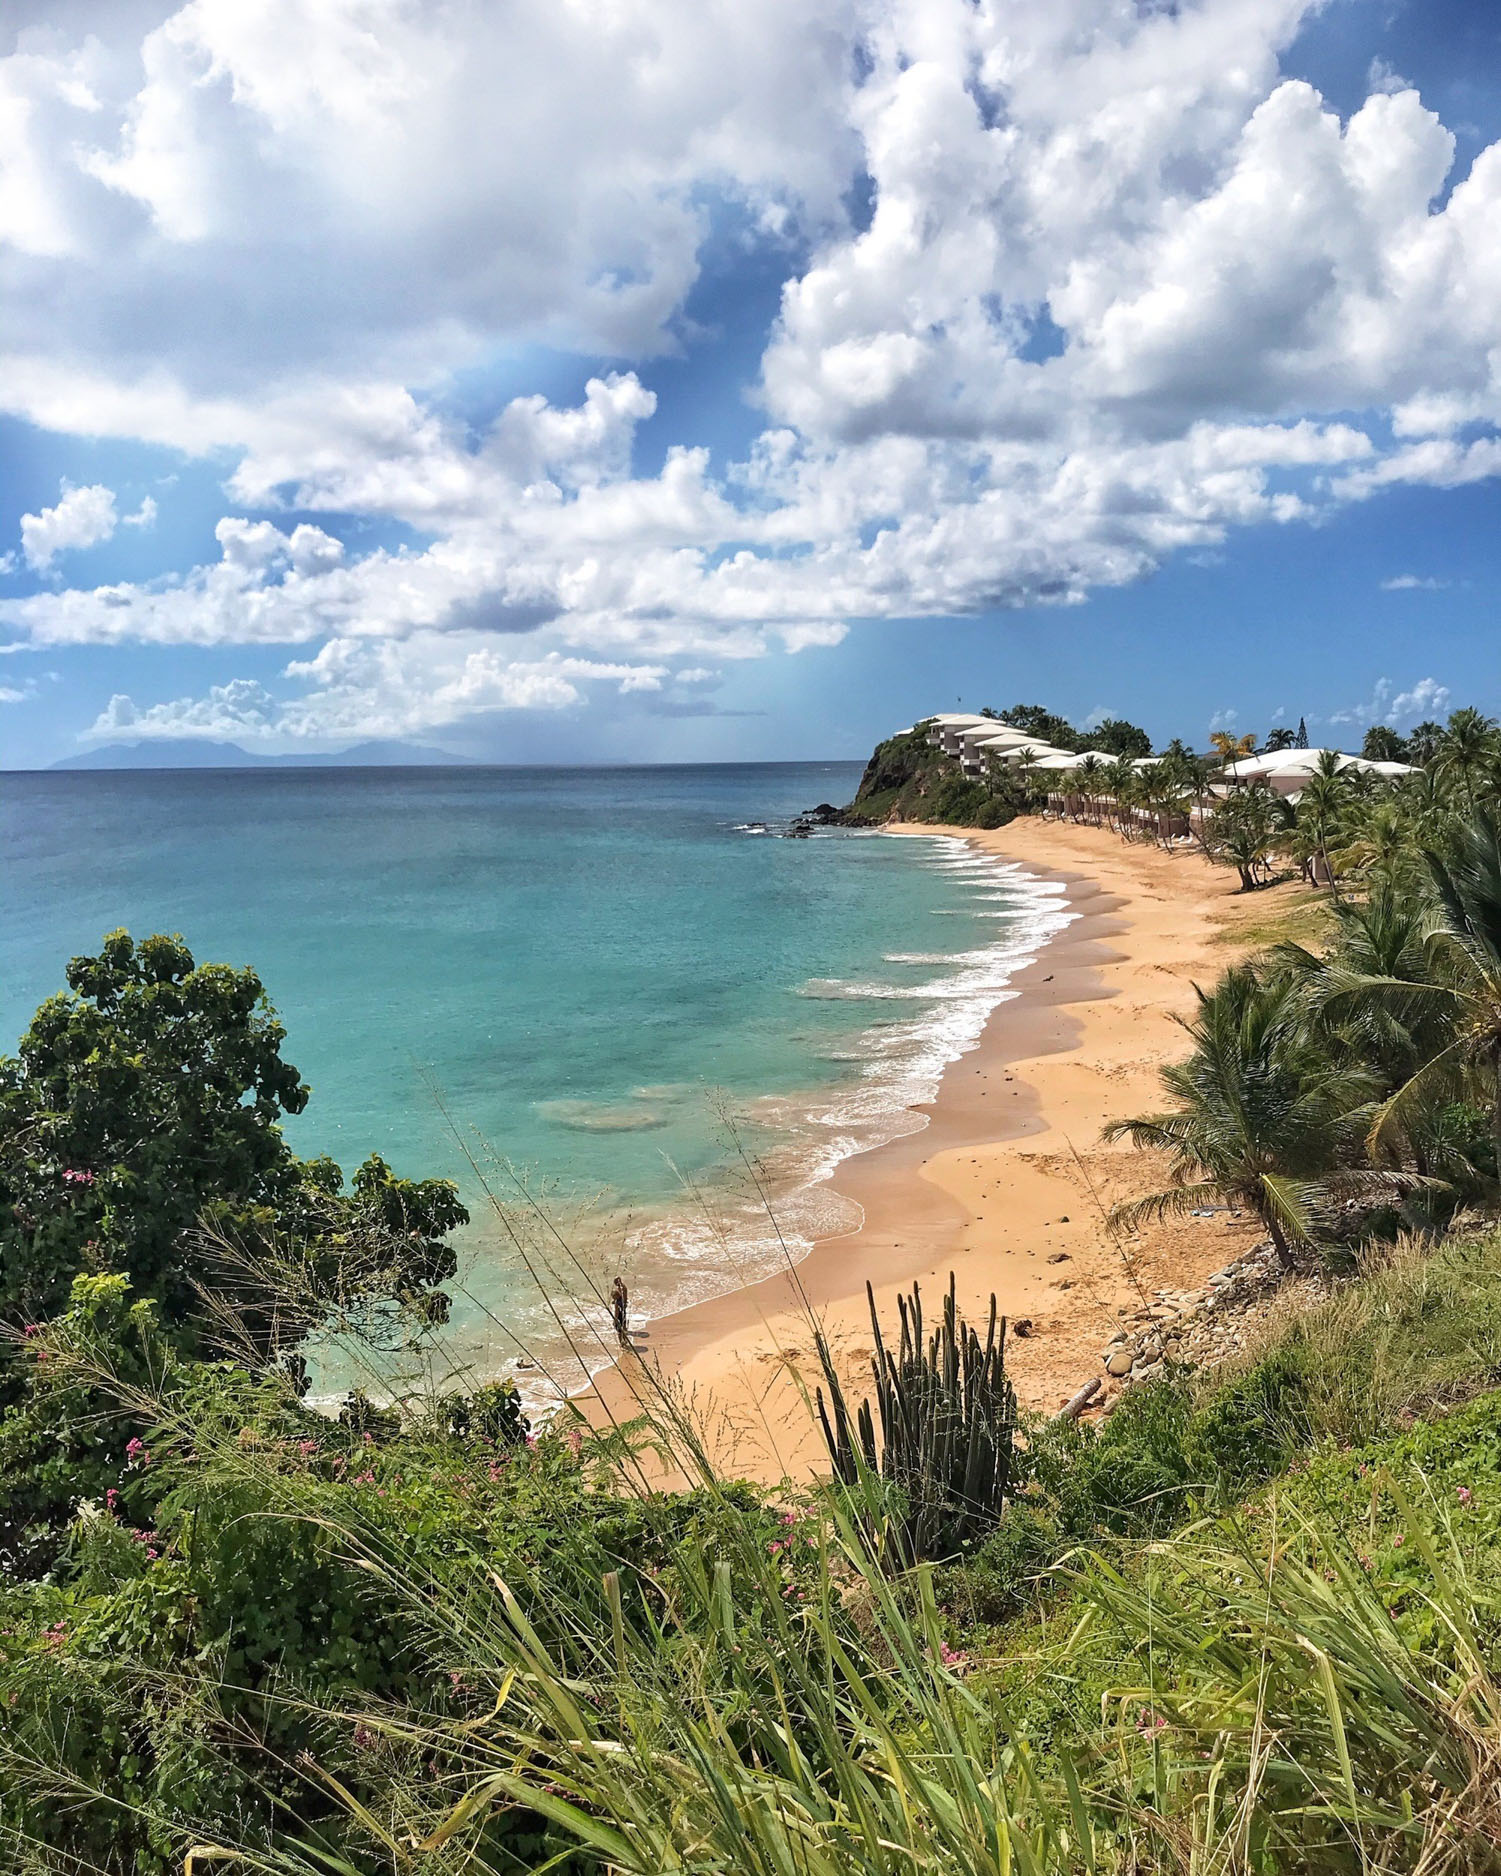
<point>32,1328</point>
<point>1462,1493</point>
<point>73,1177</point>
<point>111,1498</point>
<point>575,1441</point>
<point>1149,1724</point>
<point>951,1657</point>
<point>1397,1541</point>
<point>136,1453</point>
<point>307,1448</point>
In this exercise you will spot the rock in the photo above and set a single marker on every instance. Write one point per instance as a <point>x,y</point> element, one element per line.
<point>1023,1327</point>
<point>1120,1363</point>
<point>1059,1257</point>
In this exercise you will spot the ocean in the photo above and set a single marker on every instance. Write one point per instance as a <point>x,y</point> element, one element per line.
<point>615,999</point>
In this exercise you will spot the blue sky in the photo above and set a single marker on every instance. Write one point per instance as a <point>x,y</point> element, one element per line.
<point>695,387</point>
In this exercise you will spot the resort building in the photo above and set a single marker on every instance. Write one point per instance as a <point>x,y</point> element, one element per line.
<point>1286,771</point>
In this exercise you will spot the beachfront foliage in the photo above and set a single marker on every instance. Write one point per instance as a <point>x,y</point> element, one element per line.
<point>1247,1624</point>
<point>1254,1602</point>
<point>947,1416</point>
<point>140,1132</point>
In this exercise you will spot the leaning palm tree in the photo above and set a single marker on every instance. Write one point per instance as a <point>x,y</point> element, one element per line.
<point>1266,1117</point>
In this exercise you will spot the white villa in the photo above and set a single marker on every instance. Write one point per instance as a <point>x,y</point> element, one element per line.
<point>978,742</point>
<point>1285,771</point>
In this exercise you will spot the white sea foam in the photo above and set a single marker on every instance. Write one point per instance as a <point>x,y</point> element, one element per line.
<point>740,1228</point>
<point>900,1065</point>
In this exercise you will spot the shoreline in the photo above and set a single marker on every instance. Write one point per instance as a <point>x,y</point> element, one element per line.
<point>1005,1184</point>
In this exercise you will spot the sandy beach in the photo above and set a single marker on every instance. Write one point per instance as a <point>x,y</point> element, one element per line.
<point>1009,1183</point>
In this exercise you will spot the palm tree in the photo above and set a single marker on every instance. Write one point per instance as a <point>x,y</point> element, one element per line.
<point>1468,754</point>
<point>1267,1117</point>
<point>1458,987</point>
<point>1322,808</point>
<point>1244,829</point>
<point>1381,847</point>
<point>1232,748</point>
<point>1090,773</point>
<point>1386,939</point>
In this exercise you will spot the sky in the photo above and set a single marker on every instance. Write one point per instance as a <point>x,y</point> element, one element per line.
<point>622,380</point>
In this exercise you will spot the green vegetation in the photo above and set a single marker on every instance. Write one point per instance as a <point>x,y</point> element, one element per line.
<point>1246,1624</point>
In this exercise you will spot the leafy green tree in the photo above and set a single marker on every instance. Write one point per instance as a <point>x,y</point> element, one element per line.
<point>1278,740</point>
<point>146,1102</point>
<point>1457,990</point>
<point>1265,1116</point>
<point>1422,743</point>
<point>1033,720</point>
<point>1322,815</point>
<point>1244,830</point>
<point>1467,757</point>
<point>1383,744</point>
<point>1116,737</point>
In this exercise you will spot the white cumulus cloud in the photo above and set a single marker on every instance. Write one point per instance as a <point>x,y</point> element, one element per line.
<point>82,518</point>
<point>1121,284</point>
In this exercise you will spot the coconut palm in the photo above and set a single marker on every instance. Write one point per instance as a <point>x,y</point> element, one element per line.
<point>1468,755</point>
<point>1245,829</point>
<point>1381,847</point>
<point>1090,782</point>
<point>1457,989</point>
<point>1232,748</point>
<point>1323,807</point>
<point>1266,1117</point>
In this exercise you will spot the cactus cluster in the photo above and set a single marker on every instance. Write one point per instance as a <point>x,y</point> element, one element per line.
<point>948,1423</point>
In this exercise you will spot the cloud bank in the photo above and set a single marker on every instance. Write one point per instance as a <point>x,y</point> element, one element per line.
<point>1071,286</point>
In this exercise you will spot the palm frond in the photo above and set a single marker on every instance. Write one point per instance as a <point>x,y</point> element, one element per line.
<point>1174,1202</point>
<point>1441,1074</point>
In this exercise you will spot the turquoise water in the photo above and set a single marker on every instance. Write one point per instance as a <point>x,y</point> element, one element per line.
<point>618,989</point>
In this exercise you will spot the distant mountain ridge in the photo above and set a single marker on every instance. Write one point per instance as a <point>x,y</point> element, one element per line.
<point>190,752</point>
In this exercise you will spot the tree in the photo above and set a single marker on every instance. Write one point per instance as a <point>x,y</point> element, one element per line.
<point>147,1100</point>
<point>1423,742</point>
<point>1116,737</point>
<point>1467,755</point>
<point>1458,988</point>
<point>1383,744</point>
<point>1278,740</point>
<point>1300,741</point>
<point>1033,720</point>
<point>1321,813</point>
<point>1232,748</point>
<point>1264,1117</point>
<point>1243,831</point>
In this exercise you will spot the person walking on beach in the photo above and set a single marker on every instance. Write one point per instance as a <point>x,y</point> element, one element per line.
<point>619,1310</point>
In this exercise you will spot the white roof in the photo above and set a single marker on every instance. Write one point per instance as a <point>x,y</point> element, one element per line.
<point>1305,761</point>
<point>1028,753</point>
<point>956,719</point>
<point>1061,760</point>
<point>1001,735</point>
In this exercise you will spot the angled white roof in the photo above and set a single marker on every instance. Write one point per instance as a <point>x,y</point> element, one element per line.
<point>983,735</point>
<point>1061,759</point>
<point>1304,762</point>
